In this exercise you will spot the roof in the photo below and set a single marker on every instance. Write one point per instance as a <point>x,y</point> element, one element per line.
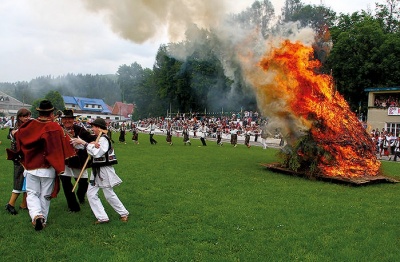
<point>9,104</point>
<point>380,89</point>
<point>122,109</point>
<point>99,105</point>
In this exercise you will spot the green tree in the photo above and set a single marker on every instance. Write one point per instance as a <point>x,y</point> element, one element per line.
<point>356,56</point>
<point>389,15</point>
<point>54,97</point>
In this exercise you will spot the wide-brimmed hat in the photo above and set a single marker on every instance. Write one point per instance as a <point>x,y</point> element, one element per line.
<point>68,113</point>
<point>99,122</point>
<point>45,106</point>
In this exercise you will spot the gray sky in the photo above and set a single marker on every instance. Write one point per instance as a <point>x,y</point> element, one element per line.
<point>43,37</point>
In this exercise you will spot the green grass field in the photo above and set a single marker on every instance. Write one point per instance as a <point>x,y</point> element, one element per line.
<point>194,203</point>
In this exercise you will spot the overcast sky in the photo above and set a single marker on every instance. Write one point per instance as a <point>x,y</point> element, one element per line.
<point>43,37</point>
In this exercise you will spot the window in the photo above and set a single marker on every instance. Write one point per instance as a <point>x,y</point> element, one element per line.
<point>394,128</point>
<point>386,100</point>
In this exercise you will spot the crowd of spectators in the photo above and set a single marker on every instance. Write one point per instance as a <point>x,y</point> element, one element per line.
<point>386,101</point>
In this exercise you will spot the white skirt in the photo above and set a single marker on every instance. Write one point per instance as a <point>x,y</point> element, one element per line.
<point>106,177</point>
<point>74,172</point>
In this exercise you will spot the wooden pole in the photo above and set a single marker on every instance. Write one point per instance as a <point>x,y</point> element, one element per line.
<point>86,162</point>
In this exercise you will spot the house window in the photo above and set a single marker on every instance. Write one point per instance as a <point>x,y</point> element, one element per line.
<point>394,128</point>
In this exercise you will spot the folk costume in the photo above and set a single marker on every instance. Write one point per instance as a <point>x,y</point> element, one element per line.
<point>135,134</point>
<point>396,149</point>
<point>103,176</point>
<point>23,115</point>
<point>203,131</point>
<point>185,133</point>
<point>219,136</point>
<point>169,135</point>
<point>152,127</point>
<point>74,165</point>
<point>264,135</point>
<point>234,136</point>
<point>122,132</point>
<point>43,148</point>
<point>247,137</point>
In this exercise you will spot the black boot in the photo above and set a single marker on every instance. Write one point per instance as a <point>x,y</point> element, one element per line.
<point>11,209</point>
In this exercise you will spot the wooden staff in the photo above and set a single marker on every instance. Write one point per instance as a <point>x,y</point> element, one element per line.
<point>86,162</point>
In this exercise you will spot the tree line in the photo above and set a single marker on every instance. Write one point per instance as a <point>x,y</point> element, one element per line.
<point>360,50</point>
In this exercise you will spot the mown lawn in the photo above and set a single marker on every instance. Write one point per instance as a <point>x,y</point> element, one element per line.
<point>194,203</point>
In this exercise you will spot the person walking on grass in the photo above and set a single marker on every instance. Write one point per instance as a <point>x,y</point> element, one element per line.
<point>74,165</point>
<point>103,174</point>
<point>219,136</point>
<point>169,134</point>
<point>203,130</point>
<point>234,136</point>
<point>247,135</point>
<point>135,134</point>
<point>23,115</point>
<point>152,127</point>
<point>185,133</point>
<point>122,131</point>
<point>43,148</point>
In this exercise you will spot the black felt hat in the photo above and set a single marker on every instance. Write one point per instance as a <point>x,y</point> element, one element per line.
<point>99,122</point>
<point>68,113</point>
<point>45,106</point>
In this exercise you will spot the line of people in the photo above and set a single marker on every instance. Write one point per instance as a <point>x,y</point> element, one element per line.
<point>203,132</point>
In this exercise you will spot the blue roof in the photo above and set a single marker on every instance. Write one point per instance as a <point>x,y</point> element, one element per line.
<point>375,89</point>
<point>82,101</point>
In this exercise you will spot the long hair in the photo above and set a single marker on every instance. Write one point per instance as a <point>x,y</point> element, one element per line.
<point>22,112</point>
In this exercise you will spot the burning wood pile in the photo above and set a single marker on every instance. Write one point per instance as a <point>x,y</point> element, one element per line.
<point>325,138</point>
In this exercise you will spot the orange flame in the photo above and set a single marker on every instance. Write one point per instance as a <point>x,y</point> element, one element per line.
<point>310,97</point>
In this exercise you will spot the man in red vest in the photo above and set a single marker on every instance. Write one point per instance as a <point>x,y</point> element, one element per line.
<point>43,147</point>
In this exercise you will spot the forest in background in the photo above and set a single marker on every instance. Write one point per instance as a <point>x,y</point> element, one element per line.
<point>360,50</point>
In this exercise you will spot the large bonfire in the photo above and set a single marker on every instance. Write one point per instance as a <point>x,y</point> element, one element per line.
<point>332,141</point>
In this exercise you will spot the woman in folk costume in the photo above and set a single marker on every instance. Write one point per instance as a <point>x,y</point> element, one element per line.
<point>169,134</point>
<point>135,134</point>
<point>23,115</point>
<point>247,135</point>
<point>219,136</point>
<point>185,133</point>
<point>122,131</point>
<point>103,173</point>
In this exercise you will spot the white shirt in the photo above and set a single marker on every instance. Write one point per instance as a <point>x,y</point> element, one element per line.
<point>10,123</point>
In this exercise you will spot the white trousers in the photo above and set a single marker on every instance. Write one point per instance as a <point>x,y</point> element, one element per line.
<point>264,143</point>
<point>97,206</point>
<point>37,188</point>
